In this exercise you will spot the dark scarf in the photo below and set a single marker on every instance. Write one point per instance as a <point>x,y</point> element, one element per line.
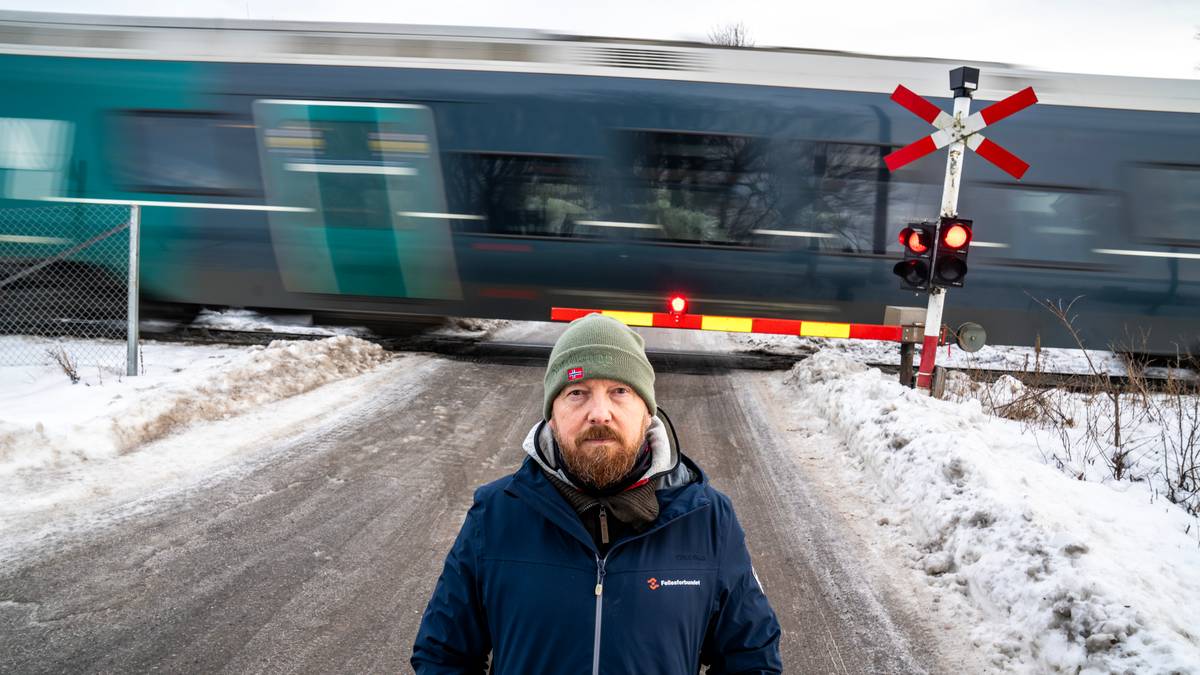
<point>637,506</point>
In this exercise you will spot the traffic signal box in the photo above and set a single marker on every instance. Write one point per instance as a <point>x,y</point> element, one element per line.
<point>933,256</point>
<point>918,240</point>
<point>950,258</point>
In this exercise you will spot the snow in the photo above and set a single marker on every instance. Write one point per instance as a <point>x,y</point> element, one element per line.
<point>249,320</point>
<point>990,357</point>
<point>1060,575</point>
<point>65,445</point>
<point>237,319</point>
<point>47,421</point>
<point>465,327</point>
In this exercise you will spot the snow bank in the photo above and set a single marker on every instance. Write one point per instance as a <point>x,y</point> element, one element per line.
<point>1069,576</point>
<point>102,418</point>
<point>248,320</point>
<point>470,327</point>
<point>990,357</point>
<point>1106,435</point>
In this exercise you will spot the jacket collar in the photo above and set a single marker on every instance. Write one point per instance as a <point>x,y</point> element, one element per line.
<point>530,485</point>
<point>665,466</point>
<point>677,496</point>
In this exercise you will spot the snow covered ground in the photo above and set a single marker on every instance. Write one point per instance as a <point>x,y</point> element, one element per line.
<point>471,328</point>
<point>233,318</point>
<point>1054,574</point>
<point>69,448</point>
<point>990,357</point>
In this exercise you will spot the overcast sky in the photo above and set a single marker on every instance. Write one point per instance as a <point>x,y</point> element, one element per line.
<point>1125,37</point>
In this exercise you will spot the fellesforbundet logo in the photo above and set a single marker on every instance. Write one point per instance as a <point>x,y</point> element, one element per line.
<point>655,583</point>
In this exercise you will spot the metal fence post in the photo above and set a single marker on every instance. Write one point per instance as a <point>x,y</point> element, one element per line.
<point>131,333</point>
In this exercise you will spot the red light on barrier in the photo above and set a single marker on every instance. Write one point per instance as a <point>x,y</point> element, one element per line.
<point>677,304</point>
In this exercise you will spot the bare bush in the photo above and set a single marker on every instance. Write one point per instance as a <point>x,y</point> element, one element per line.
<point>65,361</point>
<point>731,35</point>
<point>1111,427</point>
<point>1133,427</point>
<point>1027,396</point>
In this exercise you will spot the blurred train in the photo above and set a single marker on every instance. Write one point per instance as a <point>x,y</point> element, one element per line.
<point>498,173</point>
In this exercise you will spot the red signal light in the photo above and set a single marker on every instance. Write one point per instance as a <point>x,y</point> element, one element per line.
<point>677,304</point>
<point>953,245</point>
<point>914,240</point>
<point>956,236</point>
<point>918,240</point>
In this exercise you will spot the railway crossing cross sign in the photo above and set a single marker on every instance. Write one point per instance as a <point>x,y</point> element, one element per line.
<point>954,129</point>
<point>958,131</point>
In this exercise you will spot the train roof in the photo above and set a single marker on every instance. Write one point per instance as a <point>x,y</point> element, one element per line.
<point>533,51</point>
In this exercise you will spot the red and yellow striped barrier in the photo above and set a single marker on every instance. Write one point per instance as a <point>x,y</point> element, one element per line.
<point>738,324</point>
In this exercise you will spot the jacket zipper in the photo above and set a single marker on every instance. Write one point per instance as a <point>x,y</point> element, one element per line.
<point>600,572</point>
<point>600,563</point>
<point>603,525</point>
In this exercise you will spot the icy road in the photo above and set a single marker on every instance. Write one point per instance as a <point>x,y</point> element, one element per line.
<point>318,551</point>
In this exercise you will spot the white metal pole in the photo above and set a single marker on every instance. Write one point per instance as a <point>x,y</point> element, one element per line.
<point>131,332</point>
<point>937,296</point>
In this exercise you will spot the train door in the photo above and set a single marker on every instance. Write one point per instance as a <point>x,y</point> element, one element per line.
<point>367,184</point>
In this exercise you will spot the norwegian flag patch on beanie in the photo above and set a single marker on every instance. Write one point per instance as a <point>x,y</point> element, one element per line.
<point>574,374</point>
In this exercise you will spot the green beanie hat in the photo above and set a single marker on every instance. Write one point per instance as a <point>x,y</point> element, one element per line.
<point>598,347</point>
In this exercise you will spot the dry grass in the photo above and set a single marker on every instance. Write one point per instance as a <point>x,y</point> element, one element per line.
<point>1179,421</point>
<point>65,361</point>
<point>1136,429</point>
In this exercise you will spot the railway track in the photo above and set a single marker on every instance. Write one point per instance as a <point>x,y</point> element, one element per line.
<point>467,348</point>
<point>688,362</point>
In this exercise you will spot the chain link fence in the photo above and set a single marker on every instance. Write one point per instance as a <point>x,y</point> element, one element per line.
<point>65,287</point>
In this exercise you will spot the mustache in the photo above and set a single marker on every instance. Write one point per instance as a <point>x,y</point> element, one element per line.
<point>597,433</point>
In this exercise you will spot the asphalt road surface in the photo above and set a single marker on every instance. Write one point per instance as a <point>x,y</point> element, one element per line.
<point>321,558</point>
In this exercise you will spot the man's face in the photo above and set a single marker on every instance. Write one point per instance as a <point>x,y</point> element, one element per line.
<point>600,426</point>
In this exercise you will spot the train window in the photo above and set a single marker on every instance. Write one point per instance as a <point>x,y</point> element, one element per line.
<point>1165,201</point>
<point>1041,224</point>
<point>701,187</point>
<point>187,153</point>
<point>525,194</point>
<point>832,195</point>
<point>35,155</point>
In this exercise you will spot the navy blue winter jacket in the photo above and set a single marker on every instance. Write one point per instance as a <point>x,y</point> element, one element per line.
<point>524,581</point>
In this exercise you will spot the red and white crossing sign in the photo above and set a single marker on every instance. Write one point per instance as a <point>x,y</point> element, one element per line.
<point>951,130</point>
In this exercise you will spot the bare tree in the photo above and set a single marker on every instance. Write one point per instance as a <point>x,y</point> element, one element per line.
<point>731,35</point>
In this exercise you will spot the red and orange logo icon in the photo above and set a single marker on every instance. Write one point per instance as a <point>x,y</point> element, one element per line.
<point>652,583</point>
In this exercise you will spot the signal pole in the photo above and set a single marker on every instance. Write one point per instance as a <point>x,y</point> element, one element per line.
<point>960,132</point>
<point>954,166</point>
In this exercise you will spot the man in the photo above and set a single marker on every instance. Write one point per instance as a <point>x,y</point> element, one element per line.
<point>607,551</point>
